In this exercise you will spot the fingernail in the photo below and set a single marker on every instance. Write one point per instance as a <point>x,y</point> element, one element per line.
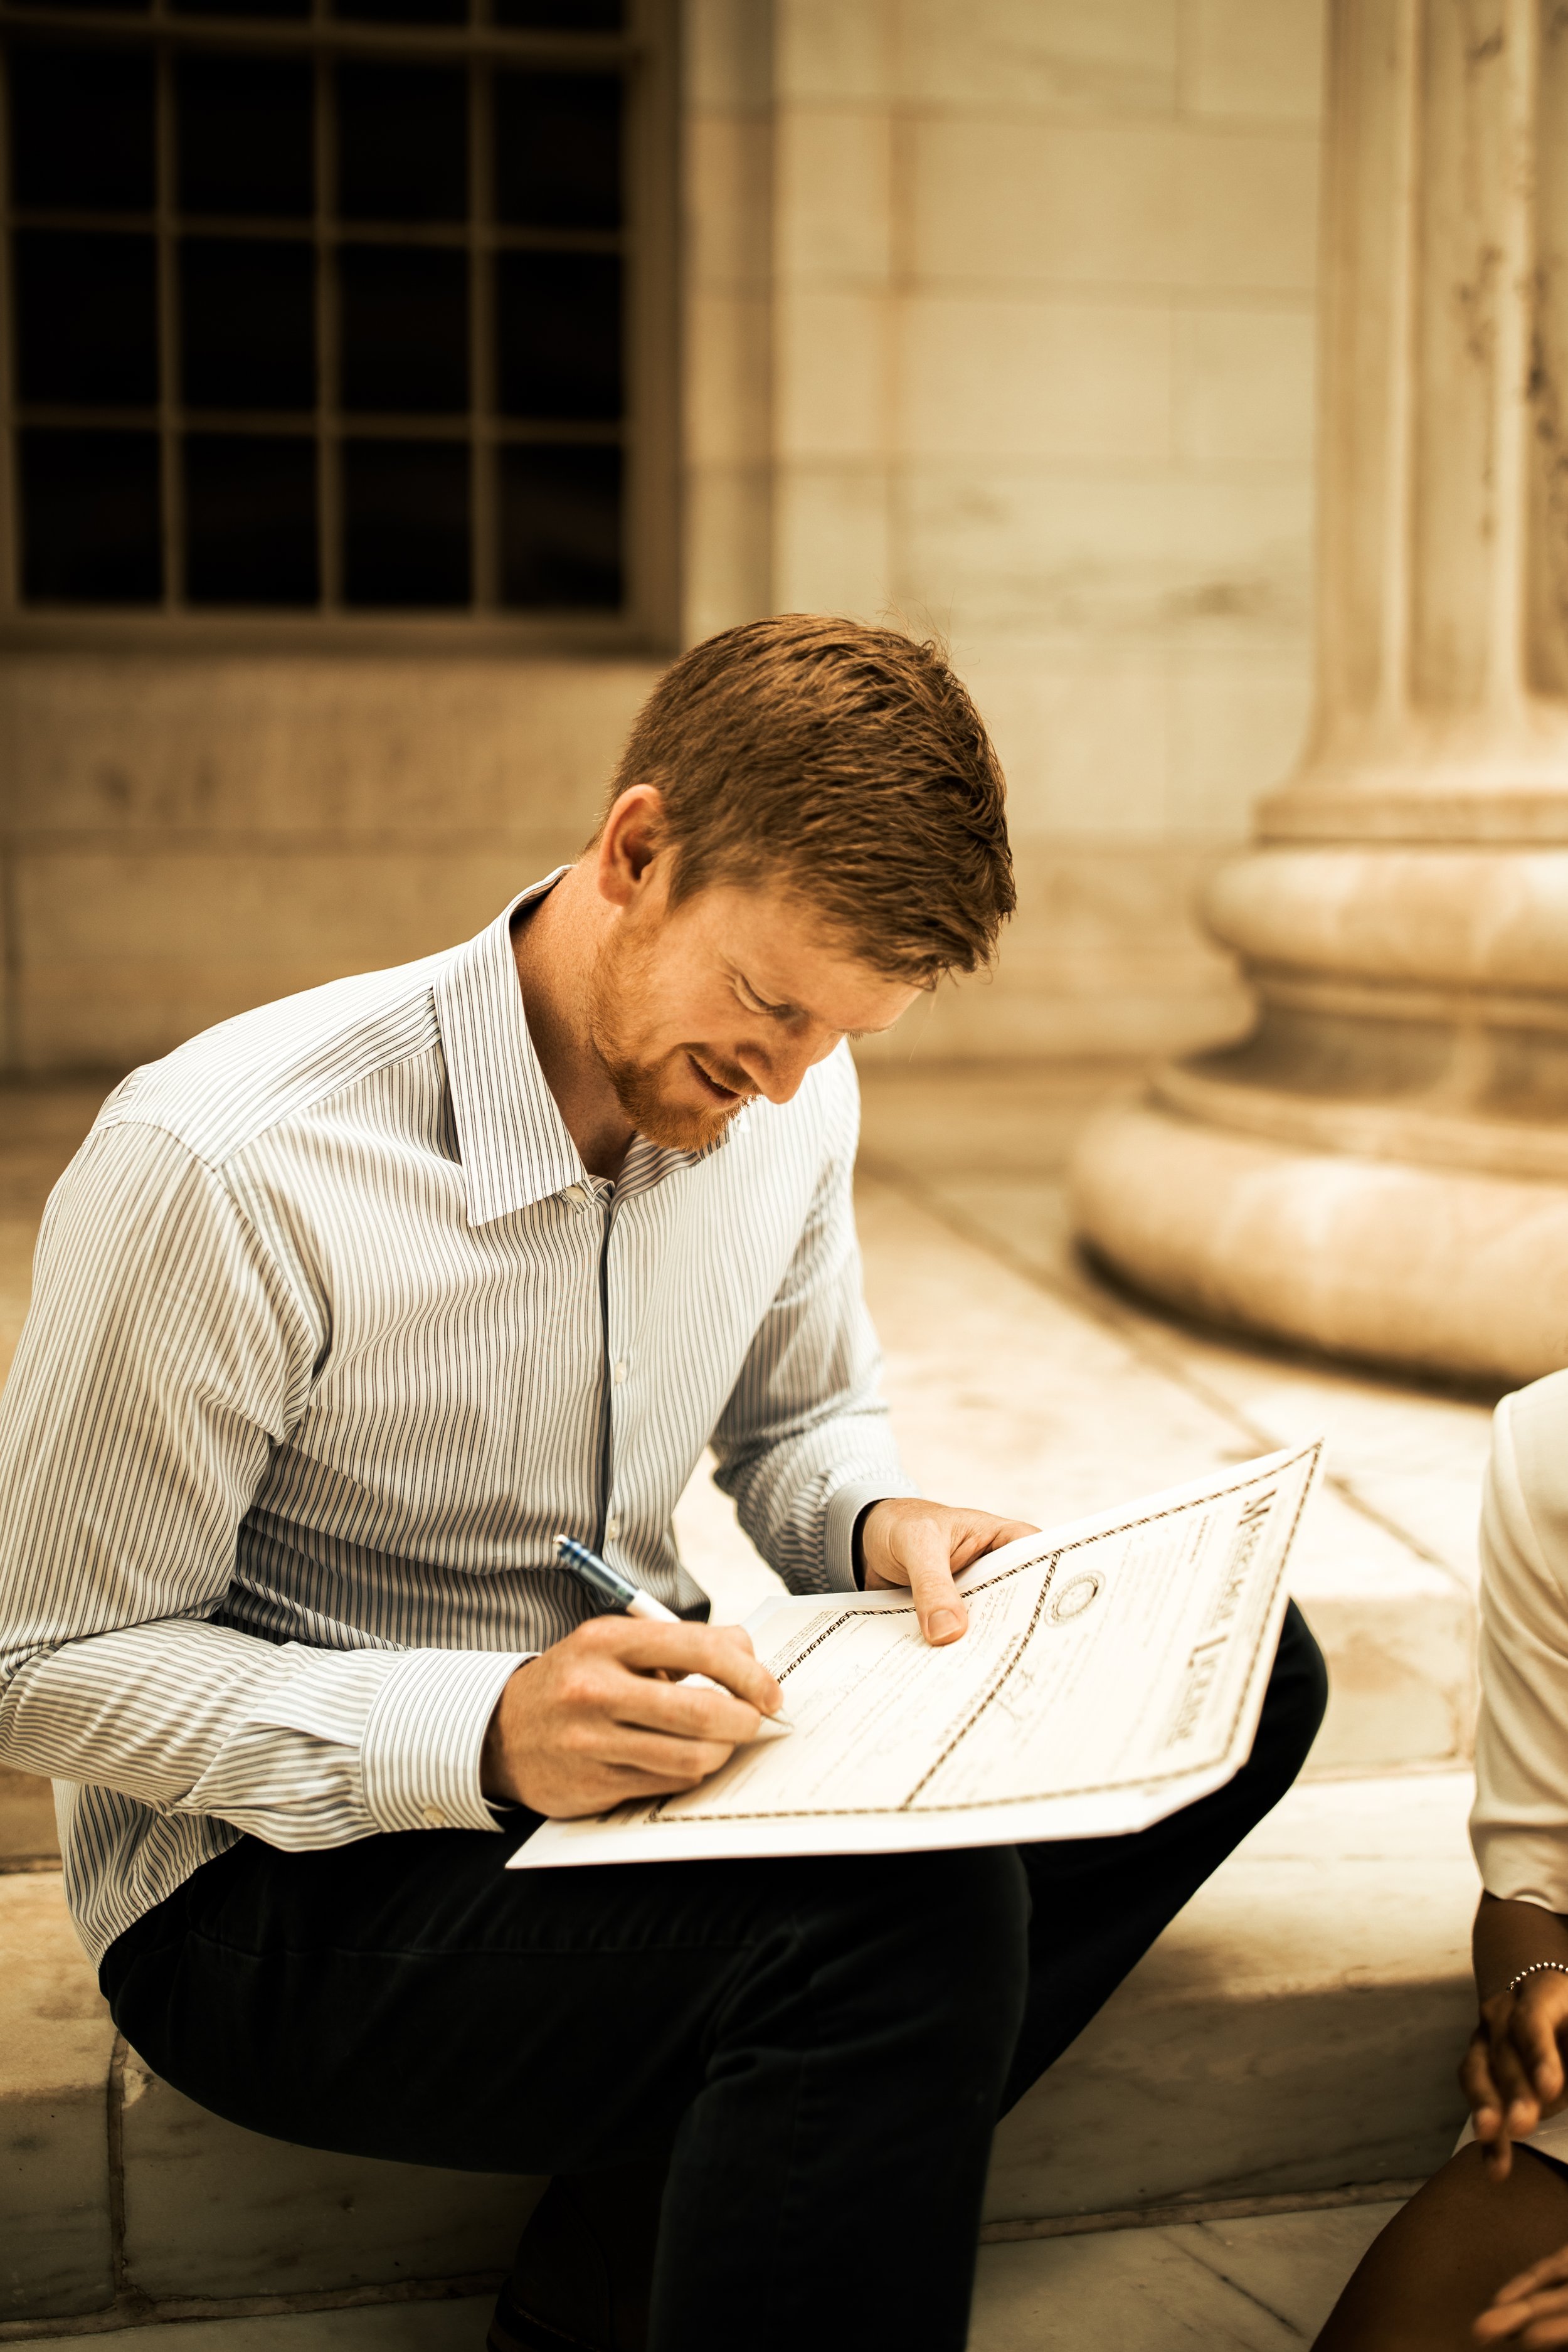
<point>942,1624</point>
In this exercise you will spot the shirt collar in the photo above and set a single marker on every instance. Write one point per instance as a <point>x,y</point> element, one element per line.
<point>513,1141</point>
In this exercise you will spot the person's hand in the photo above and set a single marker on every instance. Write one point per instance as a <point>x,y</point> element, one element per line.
<point>924,1546</point>
<point>1512,2071</point>
<point>1531,2308</point>
<point>593,1719</point>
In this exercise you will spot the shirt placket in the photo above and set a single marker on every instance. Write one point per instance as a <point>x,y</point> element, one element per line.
<point>610,1515</point>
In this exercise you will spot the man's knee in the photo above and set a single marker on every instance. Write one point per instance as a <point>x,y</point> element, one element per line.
<point>949,1927</point>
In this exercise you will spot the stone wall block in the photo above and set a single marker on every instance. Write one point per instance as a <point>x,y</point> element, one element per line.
<point>112,745</point>
<point>1250,62</point>
<point>987,376</point>
<point>56,2045</point>
<point>211,2210</point>
<point>1245,385</point>
<point>132,953</point>
<point>1075,57</point>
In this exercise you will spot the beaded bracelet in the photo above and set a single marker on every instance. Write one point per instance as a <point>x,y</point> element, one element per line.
<point>1514,1982</point>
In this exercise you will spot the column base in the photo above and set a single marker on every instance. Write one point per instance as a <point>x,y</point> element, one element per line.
<point>1450,1270</point>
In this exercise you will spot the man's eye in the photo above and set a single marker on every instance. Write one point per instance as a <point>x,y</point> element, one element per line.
<point>755,1003</point>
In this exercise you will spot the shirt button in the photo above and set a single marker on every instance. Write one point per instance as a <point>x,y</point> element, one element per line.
<point>620,1372</point>
<point>577,1194</point>
<point>612,1528</point>
<point>433,1818</point>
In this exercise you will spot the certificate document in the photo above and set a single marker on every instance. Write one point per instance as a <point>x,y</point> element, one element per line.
<point>1113,1671</point>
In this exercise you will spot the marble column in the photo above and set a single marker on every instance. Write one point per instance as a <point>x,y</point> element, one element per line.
<point>1380,1169</point>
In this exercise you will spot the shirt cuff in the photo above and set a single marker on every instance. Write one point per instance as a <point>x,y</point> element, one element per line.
<point>845,1506</point>
<point>419,1762</point>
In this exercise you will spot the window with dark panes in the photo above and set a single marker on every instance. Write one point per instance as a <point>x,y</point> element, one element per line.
<point>337,307</point>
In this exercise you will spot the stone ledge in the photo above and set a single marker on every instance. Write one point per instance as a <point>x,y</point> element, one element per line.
<point>1296,2030</point>
<point>115,2188</point>
<point>213,2210</point>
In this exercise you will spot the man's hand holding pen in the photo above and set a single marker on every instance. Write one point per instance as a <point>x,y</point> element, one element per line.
<point>613,1712</point>
<point>593,1719</point>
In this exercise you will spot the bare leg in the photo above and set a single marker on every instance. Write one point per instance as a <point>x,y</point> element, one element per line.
<point>1421,2285</point>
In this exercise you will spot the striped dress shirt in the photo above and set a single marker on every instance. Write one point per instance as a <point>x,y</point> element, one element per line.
<point>331,1332</point>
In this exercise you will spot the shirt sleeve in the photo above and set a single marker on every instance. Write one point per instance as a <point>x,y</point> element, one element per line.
<point>803,1445</point>
<point>1519,1824</point>
<point>166,1354</point>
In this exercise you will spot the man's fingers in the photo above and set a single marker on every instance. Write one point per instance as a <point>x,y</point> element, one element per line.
<point>921,1545</point>
<point>723,1653</point>
<point>567,1796</point>
<point>974,1536</point>
<point>681,1710</point>
<point>662,1762</point>
<point>1008,1531</point>
<point>920,1549</point>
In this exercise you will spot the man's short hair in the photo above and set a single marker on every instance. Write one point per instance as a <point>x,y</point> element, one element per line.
<point>847,763</point>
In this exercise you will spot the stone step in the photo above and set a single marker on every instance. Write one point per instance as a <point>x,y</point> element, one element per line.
<point>1295,2031</point>
<point>113,2188</point>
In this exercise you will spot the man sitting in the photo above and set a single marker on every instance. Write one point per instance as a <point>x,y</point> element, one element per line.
<point>343,1310</point>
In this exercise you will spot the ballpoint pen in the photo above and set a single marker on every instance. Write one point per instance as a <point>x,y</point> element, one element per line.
<point>613,1591</point>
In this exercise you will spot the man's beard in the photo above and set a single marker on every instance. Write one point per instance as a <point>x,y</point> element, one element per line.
<point>640,1086</point>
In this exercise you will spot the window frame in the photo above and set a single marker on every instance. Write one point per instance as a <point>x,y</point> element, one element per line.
<point>649,618</point>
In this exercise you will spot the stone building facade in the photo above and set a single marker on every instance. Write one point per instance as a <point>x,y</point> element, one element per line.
<point>994,319</point>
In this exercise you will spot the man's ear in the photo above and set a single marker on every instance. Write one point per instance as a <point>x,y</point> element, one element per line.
<point>630,845</point>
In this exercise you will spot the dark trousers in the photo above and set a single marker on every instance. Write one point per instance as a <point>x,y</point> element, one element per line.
<point>823,2044</point>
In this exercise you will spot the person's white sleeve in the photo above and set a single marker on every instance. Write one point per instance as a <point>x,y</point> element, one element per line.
<point>166,1352</point>
<point>1519,1824</point>
<point>803,1445</point>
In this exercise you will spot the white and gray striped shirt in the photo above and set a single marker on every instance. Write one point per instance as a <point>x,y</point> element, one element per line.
<point>331,1332</point>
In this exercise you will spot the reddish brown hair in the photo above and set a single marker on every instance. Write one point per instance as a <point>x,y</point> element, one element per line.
<point>847,762</point>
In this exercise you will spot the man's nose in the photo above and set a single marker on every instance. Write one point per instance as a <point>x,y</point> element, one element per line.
<point>777,1068</point>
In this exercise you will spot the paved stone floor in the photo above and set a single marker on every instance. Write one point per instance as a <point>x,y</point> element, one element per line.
<point>1264,2284</point>
<point>1020,1379</point>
